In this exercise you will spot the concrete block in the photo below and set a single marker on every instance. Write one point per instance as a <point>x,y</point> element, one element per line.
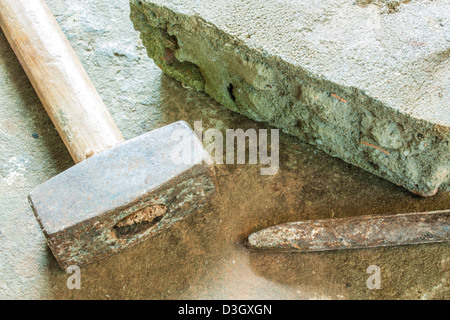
<point>366,81</point>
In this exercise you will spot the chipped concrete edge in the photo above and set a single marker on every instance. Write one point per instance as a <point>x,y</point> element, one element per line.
<point>342,121</point>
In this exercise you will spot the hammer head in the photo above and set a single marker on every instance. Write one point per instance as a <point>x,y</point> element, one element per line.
<point>123,195</point>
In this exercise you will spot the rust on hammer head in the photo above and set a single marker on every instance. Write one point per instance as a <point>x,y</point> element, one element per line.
<point>123,195</point>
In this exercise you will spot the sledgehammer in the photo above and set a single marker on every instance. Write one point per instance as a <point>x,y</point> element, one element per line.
<point>119,192</point>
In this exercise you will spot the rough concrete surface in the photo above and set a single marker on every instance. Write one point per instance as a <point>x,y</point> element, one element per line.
<point>203,256</point>
<point>365,81</point>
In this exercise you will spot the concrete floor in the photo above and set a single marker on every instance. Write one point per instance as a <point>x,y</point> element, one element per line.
<point>202,257</point>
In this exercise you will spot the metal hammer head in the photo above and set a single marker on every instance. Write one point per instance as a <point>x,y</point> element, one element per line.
<point>123,195</point>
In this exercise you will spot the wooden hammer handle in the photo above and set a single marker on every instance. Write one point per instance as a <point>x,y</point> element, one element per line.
<point>62,84</point>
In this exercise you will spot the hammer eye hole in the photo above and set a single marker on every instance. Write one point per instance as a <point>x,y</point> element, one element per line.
<point>139,221</point>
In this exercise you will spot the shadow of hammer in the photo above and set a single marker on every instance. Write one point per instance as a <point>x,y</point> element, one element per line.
<point>119,192</point>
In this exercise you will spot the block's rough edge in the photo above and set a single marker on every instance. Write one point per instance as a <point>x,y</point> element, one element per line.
<point>409,152</point>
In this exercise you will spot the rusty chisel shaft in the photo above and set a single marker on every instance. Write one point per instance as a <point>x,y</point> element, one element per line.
<point>355,232</point>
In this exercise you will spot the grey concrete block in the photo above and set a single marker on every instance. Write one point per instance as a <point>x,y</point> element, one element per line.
<point>366,81</point>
